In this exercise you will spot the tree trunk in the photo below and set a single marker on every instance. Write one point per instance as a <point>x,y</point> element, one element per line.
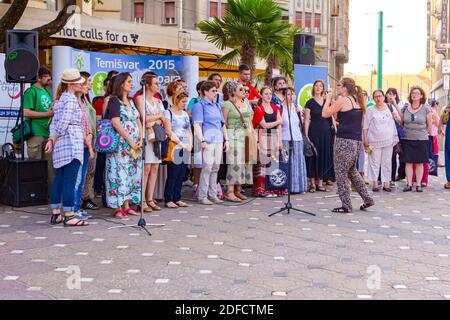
<point>10,19</point>
<point>272,63</point>
<point>55,26</point>
<point>248,54</point>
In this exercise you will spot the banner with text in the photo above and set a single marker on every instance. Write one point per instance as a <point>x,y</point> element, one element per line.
<point>9,104</point>
<point>304,77</point>
<point>168,68</point>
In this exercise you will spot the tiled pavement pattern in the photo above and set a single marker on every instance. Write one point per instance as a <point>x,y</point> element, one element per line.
<point>237,252</point>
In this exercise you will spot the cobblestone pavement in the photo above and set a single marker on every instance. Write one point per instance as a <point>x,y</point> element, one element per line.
<point>399,249</point>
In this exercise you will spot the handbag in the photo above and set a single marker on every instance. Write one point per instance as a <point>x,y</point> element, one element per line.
<point>277,173</point>
<point>309,149</point>
<point>445,115</point>
<point>17,130</point>
<point>170,152</point>
<point>107,139</point>
<point>251,145</point>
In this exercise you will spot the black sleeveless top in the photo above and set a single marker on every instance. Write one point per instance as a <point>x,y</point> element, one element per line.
<point>350,124</point>
<point>270,117</point>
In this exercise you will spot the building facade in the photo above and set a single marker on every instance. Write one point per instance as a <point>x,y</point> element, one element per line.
<point>171,25</point>
<point>438,45</point>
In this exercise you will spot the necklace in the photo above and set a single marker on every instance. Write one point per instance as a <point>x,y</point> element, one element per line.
<point>416,108</point>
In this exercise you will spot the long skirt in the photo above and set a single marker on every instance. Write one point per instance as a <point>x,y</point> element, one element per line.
<point>298,171</point>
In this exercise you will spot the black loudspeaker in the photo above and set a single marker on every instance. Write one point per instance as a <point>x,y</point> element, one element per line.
<point>22,57</point>
<point>304,49</point>
<point>23,183</point>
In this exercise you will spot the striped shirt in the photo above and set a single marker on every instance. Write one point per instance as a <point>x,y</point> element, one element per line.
<point>66,125</point>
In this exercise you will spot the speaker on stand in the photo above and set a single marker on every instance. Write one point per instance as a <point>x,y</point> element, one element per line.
<point>22,182</point>
<point>304,49</point>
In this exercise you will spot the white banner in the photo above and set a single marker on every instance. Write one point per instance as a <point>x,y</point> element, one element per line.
<point>9,104</point>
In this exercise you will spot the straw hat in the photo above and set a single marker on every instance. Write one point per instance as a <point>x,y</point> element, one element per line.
<point>72,75</point>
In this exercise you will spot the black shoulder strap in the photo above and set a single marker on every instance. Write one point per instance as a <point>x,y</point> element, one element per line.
<point>351,101</point>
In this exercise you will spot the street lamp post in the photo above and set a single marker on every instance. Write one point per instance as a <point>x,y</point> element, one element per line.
<point>380,49</point>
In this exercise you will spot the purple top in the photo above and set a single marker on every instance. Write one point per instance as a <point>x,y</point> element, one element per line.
<point>66,125</point>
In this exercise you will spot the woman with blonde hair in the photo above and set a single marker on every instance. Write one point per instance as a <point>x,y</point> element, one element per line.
<point>350,109</point>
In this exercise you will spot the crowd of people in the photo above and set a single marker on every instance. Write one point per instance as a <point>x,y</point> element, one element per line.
<point>229,137</point>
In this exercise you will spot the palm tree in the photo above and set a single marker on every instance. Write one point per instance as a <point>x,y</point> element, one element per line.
<point>247,28</point>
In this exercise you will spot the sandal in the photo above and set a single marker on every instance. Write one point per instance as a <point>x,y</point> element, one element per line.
<point>182,204</point>
<point>241,196</point>
<point>130,212</point>
<point>321,189</point>
<point>231,197</point>
<point>119,214</point>
<point>407,189</point>
<point>447,186</point>
<point>387,189</point>
<point>312,189</point>
<point>376,189</point>
<point>367,205</point>
<point>78,223</point>
<point>419,189</point>
<point>341,210</point>
<point>171,205</point>
<point>56,218</point>
<point>153,205</point>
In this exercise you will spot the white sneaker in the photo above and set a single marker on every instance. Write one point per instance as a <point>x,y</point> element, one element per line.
<point>205,202</point>
<point>188,183</point>
<point>217,201</point>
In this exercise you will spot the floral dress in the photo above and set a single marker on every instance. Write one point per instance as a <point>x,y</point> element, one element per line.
<point>123,172</point>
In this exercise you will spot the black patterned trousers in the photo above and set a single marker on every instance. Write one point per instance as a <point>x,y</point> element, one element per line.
<point>345,160</point>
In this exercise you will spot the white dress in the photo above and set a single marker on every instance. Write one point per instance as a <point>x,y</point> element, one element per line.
<point>150,156</point>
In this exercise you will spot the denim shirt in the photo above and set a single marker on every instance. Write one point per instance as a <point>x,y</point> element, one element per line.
<point>210,116</point>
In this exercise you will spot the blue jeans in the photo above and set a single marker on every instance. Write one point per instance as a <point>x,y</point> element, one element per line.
<point>447,152</point>
<point>81,179</point>
<point>63,187</point>
<point>174,183</point>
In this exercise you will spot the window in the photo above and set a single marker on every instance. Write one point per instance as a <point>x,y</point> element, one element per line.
<point>308,17</point>
<point>317,23</point>
<point>169,12</point>
<point>299,4</point>
<point>285,17</point>
<point>213,9</point>
<point>298,18</point>
<point>139,12</point>
<point>222,9</point>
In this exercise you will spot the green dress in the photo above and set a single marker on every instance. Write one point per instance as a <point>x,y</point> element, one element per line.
<point>238,172</point>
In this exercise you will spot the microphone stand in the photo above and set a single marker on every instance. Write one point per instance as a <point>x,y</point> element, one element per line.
<point>288,206</point>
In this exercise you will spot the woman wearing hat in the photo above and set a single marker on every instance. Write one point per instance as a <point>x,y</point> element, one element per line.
<point>67,143</point>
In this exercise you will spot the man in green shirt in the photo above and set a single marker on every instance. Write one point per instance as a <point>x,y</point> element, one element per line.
<point>37,107</point>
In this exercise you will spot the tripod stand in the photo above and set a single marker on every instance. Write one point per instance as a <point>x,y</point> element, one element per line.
<point>141,223</point>
<point>288,206</point>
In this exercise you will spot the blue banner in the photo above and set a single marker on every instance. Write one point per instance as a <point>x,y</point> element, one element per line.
<point>304,77</point>
<point>168,68</point>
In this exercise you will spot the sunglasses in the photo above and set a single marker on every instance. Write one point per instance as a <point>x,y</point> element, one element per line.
<point>413,117</point>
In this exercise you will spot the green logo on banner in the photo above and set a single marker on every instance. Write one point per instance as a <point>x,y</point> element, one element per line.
<point>97,83</point>
<point>79,62</point>
<point>304,95</point>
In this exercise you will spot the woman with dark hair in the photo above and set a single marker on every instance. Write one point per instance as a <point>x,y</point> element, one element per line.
<point>350,108</point>
<point>66,143</point>
<point>124,165</point>
<point>380,135</point>
<point>209,128</point>
<point>154,115</point>
<point>267,121</point>
<point>88,151</point>
<point>319,131</point>
<point>292,123</point>
<point>417,122</point>
<point>238,121</point>
<point>88,190</point>
<point>393,101</point>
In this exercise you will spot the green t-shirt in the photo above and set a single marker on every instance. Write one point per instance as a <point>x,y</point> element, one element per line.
<point>93,119</point>
<point>38,100</point>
